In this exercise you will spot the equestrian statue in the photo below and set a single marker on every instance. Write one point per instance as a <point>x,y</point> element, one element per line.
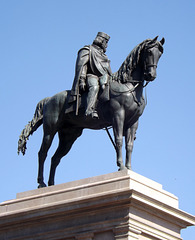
<point>99,99</point>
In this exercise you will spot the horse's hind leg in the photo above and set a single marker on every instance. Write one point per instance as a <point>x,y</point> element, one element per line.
<point>46,143</point>
<point>129,140</point>
<point>66,139</point>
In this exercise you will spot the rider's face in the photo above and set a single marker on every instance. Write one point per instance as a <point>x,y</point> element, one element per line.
<point>104,44</point>
<point>101,42</point>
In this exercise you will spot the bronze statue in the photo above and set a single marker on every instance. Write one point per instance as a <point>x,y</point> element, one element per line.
<point>119,105</point>
<point>92,71</point>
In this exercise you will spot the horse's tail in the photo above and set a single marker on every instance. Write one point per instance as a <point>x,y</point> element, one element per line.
<point>31,126</point>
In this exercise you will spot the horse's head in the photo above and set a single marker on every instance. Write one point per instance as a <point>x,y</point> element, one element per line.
<point>151,53</point>
<point>141,63</point>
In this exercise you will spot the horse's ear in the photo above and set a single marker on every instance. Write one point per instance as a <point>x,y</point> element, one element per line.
<point>154,40</point>
<point>162,41</point>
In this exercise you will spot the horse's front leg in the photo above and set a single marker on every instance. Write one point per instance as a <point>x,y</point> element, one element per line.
<point>129,140</point>
<point>118,123</point>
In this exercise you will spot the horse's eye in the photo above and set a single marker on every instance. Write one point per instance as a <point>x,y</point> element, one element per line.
<point>149,52</point>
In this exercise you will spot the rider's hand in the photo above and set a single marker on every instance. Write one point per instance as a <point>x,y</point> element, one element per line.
<point>82,85</point>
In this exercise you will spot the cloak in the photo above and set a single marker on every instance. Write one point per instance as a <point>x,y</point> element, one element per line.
<point>91,60</point>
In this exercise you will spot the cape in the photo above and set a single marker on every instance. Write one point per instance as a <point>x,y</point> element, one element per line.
<point>96,59</point>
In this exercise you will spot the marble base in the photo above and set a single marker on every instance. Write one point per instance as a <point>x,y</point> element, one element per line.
<point>122,205</point>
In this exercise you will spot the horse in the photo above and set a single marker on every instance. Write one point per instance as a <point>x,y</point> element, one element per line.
<point>121,110</point>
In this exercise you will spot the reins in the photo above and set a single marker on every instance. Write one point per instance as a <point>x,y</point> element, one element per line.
<point>133,89</point>
<point>130,90</point>
<point>109,135</point>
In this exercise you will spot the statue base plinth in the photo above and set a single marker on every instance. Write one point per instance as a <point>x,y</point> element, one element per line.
<point>121,205</point>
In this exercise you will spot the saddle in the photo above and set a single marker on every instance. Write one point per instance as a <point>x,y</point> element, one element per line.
<point>103,96</point>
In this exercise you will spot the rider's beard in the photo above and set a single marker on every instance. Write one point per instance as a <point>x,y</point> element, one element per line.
<point>100,44</point>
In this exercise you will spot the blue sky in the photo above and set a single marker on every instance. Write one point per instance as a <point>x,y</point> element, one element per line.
<point>38,47</point>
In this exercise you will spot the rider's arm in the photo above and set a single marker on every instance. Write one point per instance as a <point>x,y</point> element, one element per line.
<point>83,60</point>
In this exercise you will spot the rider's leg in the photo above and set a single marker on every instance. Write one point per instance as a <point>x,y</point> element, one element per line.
<point>93,88</point>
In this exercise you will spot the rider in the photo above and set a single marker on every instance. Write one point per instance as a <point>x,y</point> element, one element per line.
<point>92,71</point>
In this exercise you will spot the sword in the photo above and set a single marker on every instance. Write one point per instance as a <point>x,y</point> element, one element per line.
<point>77,103</point>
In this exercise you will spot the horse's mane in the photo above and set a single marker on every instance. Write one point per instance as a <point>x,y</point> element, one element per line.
<point>130,63</point>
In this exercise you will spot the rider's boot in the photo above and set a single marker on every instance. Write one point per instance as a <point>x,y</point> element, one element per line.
<point>93,88</point>
<point>91,101</point>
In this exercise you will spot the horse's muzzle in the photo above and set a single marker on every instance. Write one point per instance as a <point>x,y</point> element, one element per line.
<point>149,76</point>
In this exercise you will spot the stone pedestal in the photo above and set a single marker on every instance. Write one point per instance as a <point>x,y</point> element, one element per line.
<point>121,205</point>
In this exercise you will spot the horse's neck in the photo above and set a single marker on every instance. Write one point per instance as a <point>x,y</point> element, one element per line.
<point>137,75</point>
<point>137,79</point>
<point>138,82</point>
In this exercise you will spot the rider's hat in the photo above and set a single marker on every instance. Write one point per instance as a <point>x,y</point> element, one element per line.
<point>104,35</point>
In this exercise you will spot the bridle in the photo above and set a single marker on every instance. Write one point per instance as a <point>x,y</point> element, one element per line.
<point>150,65</point>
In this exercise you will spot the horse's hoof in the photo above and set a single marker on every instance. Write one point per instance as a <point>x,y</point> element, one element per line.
<point>121,168</point>
<point>128,167</point>
<point>42,185</point>
<point>50,184</point>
